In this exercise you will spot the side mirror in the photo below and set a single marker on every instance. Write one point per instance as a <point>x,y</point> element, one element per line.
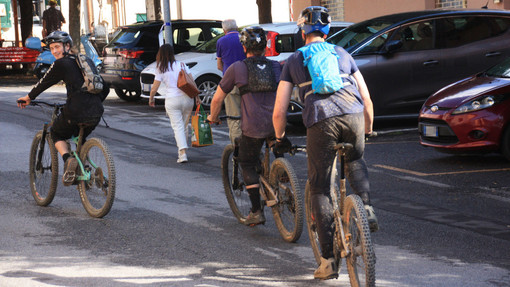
<point>33,43</point>
<point>392,46</point>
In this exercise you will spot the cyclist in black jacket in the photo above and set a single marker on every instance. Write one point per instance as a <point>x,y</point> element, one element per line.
<point>80,107</point>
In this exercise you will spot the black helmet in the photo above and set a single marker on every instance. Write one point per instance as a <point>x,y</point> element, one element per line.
<point>253,38</point>
<point>314,18</point>
<point>58,37</point>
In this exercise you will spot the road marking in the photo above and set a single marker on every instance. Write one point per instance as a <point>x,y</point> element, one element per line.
<point>417,173</point>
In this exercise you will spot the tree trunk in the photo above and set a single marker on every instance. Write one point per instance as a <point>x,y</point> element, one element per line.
<point>265,11</point>
<point>153,9</point>
<point>74,21</point>
<point>26,23</point>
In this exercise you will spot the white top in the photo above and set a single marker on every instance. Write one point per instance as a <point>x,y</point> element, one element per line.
<point>168,87</point>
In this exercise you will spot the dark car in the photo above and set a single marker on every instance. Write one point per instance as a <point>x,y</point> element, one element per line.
<point>135,46</point>
<point>406,57</point>
<point>470,115</point>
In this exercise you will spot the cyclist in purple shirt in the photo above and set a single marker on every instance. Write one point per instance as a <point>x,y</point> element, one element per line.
<point>228,51</point>
<point>257,79</point>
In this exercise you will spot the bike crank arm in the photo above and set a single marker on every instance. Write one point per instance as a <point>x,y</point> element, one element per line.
<point>269,202</point>
<point>345,244</point>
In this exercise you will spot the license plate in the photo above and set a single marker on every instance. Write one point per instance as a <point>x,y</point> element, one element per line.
<point>430,131</point>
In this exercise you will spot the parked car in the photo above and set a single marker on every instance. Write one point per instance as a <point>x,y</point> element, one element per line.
<point>470,115</point>
<point>135,46</point>
<point>283,40</point>
<point>406,57</point>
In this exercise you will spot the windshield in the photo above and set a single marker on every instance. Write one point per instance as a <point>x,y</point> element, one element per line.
<point>351,36</point>
<point>501,70</point>
<point>209,46</point>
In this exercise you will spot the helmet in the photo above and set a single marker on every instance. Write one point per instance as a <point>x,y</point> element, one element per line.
<point>314,18</point>
<point>253,38</point>
<point>58,37</point>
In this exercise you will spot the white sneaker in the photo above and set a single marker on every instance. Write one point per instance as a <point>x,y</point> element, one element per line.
<point>182,158</point>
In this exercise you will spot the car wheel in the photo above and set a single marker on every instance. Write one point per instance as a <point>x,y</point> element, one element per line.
<point>207,85</point>
<point>505,143</point>
<point>126,95</point>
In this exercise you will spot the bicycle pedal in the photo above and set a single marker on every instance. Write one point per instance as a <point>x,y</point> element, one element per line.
<point>68,178</point>
<point>271,203</point>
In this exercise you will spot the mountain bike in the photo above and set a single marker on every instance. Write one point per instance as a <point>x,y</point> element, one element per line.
<point>279,190</point>
<point>351,237</point>
<point>96,170</point>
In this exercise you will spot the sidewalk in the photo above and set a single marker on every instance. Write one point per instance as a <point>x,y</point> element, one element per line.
<point>16,78</point>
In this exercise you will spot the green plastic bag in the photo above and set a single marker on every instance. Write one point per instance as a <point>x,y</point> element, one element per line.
<point>201,130</point>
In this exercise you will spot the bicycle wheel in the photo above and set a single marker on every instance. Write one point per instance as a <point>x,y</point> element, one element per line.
<point>312,225</point>
<point>235,190</point>
<point>43,174</point>
<point>97,193</point>
<point>288,213</point>
<point>361,261</point>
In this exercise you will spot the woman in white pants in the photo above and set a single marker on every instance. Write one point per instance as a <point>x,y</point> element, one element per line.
<point>177,104</point>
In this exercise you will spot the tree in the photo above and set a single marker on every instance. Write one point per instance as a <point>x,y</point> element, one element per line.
<point>26,21</point>
<point>74,21</point>
<point>264,11</point>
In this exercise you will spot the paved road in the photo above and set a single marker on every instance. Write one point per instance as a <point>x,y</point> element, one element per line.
<point>444,219</point>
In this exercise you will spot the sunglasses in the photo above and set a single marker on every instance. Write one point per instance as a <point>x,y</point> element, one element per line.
<point>313,17</point>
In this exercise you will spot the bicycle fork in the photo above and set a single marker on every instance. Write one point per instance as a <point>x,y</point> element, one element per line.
<point>40,152</point>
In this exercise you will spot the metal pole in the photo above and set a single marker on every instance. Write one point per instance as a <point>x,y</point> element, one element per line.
<point>168,23</point>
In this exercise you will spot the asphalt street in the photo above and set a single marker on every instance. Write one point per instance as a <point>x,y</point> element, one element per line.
<point>445,220</point>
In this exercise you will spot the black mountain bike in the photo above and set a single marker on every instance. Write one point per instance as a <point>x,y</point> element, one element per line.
<point>279,189</point>
<point>96,170</point>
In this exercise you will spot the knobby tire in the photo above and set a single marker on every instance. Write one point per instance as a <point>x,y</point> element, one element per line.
<point>312,225</point>
<point>98,193</point>
<point>43,179</point>
<point>237,198</point>
<point>361,261</point>
<point>288,213</point>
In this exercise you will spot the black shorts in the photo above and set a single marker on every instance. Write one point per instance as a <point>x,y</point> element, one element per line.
<point>64,129</point>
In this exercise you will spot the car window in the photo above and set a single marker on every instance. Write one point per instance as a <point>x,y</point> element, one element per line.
<point>189,36</point>
<point>458,31</point>
<point>374,45</point>
<point>209,46</point>
<point>125,36</point>
<point>148,39</point>
<point>285,43</point>
<point>416,36</point>
<point>501,70</point>
<point>353,35</point>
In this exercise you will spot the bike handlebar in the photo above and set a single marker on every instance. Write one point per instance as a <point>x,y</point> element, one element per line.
<point>38,103</point>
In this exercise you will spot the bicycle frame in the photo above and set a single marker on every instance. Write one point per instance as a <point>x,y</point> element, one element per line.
<point>338,202</point>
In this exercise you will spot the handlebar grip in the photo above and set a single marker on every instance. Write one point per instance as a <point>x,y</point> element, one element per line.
<point>21,102</point>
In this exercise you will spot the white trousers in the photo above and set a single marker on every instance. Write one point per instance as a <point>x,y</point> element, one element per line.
<point>179,111</point>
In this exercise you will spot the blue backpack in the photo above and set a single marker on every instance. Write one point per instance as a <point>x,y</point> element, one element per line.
<point>321,59</point>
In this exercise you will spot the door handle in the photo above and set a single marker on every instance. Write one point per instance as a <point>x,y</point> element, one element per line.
<point>430,63</point>
<point>493,54</point>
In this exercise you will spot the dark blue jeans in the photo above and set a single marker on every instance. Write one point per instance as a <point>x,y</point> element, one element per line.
<point>321,140</point>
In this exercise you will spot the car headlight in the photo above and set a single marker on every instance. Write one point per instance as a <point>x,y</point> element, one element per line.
<point>478,104</point>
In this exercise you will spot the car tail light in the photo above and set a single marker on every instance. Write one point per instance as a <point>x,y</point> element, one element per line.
<point>271,44</point>
<point>130,54</point>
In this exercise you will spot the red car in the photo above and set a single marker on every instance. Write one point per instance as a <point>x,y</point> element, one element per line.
<point>470,115</point>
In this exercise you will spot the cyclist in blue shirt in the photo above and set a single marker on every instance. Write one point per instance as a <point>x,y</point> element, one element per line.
<point>343,116</point>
